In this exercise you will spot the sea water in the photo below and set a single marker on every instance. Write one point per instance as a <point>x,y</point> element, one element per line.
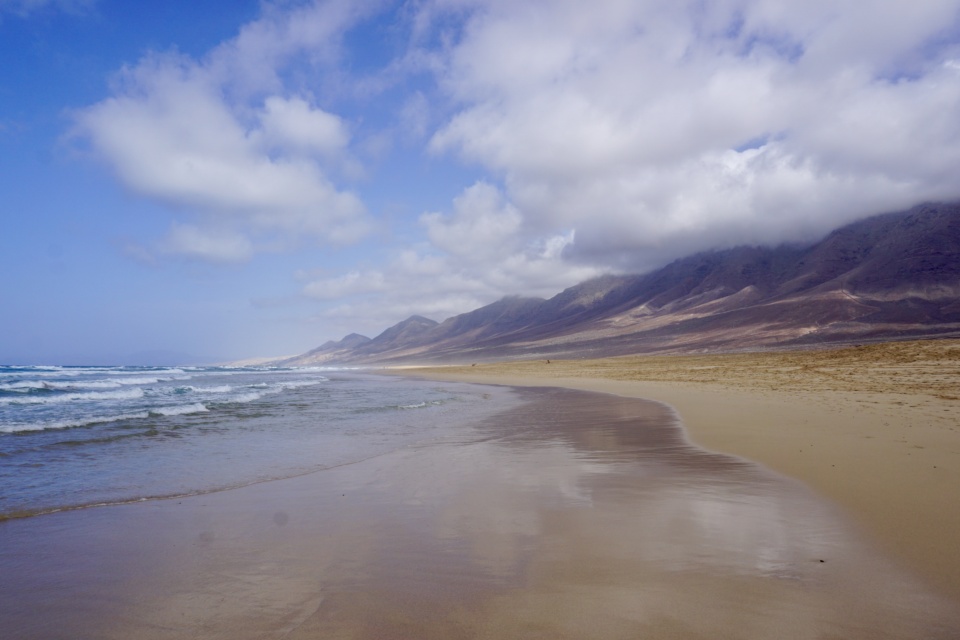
<point>72,437</point>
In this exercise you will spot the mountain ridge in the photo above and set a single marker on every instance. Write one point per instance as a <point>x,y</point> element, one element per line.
<point>890,276</point>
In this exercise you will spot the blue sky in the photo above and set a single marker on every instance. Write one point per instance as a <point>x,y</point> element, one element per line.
<point>243,179</point>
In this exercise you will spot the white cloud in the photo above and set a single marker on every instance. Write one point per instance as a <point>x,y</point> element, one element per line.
<point>481,228</point>
<point>627,133</point>
<point>292,124</point>
<point>214,245</point>
<point>477,255</point>
<point>617,134</point>
<point>251,168</point>
<point>349,284</point>
<point>415,115</point>
<point>253,61</point>
<point>622,121</point>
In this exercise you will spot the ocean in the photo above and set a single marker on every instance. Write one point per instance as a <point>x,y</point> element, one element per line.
<point>73,437</point>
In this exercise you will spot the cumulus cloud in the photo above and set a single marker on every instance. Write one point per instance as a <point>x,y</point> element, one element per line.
<point>614,135</point>
<point>476,255</point>
<point>658,129</point>
<point>479,229</point>
<point>252,171</point>
<point>293,124</point>
<point>625,134</point>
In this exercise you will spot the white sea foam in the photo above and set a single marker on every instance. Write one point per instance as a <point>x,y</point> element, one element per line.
<point>141,380</point>
<point>295,384</point>
<point>87,384</point>
<point>221,388</point>
<point>68,385</point>
<point>93,396</point>
<point>420,405</point>
<point>179,410</point>
<point>25,386</point>
<point>69,424</point>
<point>246,397</point>
<point>154,372</point>
<point>55,372</point>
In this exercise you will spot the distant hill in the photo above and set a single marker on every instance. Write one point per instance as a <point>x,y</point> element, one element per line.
<point>892,276</point>
<point>329,351</point>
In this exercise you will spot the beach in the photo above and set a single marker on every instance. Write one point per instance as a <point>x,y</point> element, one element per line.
<point>558,513</point>
<point>873,428</point>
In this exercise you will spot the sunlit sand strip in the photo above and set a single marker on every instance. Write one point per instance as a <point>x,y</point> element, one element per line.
<point>875,428</point>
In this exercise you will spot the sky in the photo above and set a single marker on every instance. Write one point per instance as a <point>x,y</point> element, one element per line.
<point>208,181</point>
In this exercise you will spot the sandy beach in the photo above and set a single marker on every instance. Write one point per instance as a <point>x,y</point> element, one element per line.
<point>875,429</point>
<point>791,495</point>
<point>570,515</point>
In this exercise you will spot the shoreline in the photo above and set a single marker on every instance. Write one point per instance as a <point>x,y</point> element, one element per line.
<point>874,429</point>
<point>567,515</point>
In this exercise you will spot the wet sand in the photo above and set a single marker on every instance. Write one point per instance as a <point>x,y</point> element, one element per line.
<point>875,429</point>
<point>574,515</point>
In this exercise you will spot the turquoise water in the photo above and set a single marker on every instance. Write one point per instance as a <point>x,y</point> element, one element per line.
<point>79,436</point>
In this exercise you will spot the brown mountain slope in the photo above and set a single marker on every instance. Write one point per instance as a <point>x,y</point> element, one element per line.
<point>330,351</point>
<point>887,277</point>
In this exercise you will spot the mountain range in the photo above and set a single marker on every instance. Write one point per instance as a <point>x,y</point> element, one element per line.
<point>891,276</point>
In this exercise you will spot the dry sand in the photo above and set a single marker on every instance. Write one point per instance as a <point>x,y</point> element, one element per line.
<point>874,428</point>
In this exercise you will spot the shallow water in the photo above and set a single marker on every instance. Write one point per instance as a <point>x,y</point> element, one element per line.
<point>572,515</point>
<point>78,436</point>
